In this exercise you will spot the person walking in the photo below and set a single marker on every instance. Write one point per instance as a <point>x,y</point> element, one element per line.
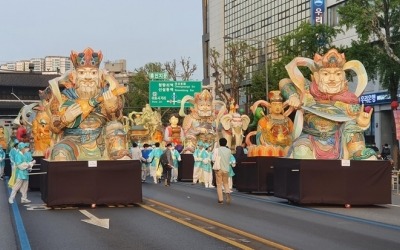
<point>145,164</point>
<point>169,165</point>
<point>13,152</point>
<point>176,158</point>
<point>2,162</point>
<point>385,154</point>
<point>232,163</point>
<point>206,166</point>
<point>136,154</point>
<point>223,154</point>
<point>154,159</point>
<point>22,166</point>
<point>197,170</point>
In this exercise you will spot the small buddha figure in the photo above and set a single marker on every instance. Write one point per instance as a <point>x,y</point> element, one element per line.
<point>174,133</point>
<point>274,131</point>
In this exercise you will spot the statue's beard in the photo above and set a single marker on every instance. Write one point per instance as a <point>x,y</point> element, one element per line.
<point>332,87</point>
<point>204,113</point>
<point>87,89</point>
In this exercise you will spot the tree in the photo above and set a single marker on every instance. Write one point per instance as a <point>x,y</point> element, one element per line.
<point>378,23</point>
<point>239,56</point>
<point>305,41</point>
<point>138,95</point>
<point>187,69</point>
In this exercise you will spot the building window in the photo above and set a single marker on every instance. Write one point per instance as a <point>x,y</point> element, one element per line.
<point>333,15</point>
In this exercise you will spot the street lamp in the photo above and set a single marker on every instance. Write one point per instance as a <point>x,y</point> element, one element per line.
<point>265,41</point>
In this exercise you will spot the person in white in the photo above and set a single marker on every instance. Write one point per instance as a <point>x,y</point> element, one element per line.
<point>22,166</point>
<point>136,154</point>
<point>223,154</point>
<point>207,168</point>
<point>198,161</point>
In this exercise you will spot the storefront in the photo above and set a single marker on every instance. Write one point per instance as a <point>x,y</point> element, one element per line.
<point>381,130</point>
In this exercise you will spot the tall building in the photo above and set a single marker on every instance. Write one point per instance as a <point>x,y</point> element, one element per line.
<point>254,21</point>
<point>258,22</point>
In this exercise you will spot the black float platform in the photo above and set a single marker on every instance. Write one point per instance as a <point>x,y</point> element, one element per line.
<point>96,182</point>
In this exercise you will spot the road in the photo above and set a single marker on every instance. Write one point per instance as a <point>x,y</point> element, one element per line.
<point>139,227</point>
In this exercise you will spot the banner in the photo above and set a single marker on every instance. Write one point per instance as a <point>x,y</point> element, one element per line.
<point>317,11</point>
<point>396,115</point>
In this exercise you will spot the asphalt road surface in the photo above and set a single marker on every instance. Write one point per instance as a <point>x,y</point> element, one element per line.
<point>135,227</point>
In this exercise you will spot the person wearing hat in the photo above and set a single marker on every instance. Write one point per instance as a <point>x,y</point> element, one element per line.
<point>206,166</point>
<point>154,159</point>
<point>13,152</point>
<point>2,163</point>
<point>197,170</point>
<point>22,166</point>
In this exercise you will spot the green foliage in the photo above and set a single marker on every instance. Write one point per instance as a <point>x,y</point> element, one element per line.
<point>257,87</point>
<point>377,21</point>
<point>307,40</point>
<point>366,53</point>
<point>304,41</point>
<point>238,57</point>
<point>138,94</point>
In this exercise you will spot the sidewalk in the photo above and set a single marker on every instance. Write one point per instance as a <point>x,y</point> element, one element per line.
<point>8,239</point>
<point>395,198</point>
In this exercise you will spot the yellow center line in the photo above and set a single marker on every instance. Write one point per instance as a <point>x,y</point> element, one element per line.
<point>217,236</point>
<point>229,228</point>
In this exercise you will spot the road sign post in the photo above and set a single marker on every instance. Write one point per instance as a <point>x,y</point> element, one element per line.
<point>158,75</point>
<point>169,94</point>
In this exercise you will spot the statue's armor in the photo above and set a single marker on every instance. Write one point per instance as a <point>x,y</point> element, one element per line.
<point>275,131</point>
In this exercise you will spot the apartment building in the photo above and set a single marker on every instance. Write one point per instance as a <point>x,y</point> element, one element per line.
<point>59,64</point>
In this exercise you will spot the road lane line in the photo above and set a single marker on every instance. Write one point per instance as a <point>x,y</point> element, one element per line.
<point>21,232</point>
<point>228,228</point>
<point>234,243</point>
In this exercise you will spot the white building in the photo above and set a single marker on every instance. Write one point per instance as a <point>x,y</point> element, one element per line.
<point>22,65</point>
<point>59,64</point>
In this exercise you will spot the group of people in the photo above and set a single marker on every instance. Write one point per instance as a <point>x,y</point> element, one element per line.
<point>150,157</point>
<point>385,152</point>
<point>152,164</point>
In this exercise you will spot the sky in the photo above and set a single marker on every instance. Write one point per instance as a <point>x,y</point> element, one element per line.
<point>139,31</point>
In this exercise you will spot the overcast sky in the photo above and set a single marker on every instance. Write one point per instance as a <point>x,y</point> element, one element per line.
<point>139,31</point>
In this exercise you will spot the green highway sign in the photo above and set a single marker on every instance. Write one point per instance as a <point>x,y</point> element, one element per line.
<point>169,94</point>
<point>158,75</point>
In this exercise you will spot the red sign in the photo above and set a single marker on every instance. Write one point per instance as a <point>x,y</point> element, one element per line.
<point>396,115</point>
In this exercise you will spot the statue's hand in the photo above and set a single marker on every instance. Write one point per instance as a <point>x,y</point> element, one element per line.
<point>294,101</point>
<point>71,113</point>
<point>364,118</point>
<point>110,101</point>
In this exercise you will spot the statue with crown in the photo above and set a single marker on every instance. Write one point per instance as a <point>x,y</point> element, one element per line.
<point>200,125</point>
<point>85,112</point>
<point>329,121</point>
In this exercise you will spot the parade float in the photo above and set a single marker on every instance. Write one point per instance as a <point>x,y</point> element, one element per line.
<point>199,126</point>
<point>308,146</point>
<point>325,157</point>
<point>145,126</point>
<point>88,161</point>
